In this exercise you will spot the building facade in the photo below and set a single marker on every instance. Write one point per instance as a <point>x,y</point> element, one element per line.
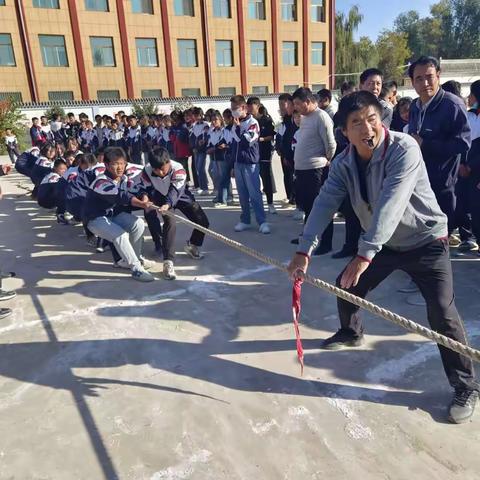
<point>53,50</point>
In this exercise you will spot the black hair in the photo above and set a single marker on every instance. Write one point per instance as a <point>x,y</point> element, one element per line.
<point>262,110</point>
<point>347,86</point>
<point>45,148</point>
<point>253,101</point>
<point>158,157</point>
<point>402,102</point>
<point>285,97</point>
<point>98,116</point>
<point>325,93</point>
<point>238,100</point>
<point>454,87</point>
<point>58,162</point>
<point>100,150</point>
<point>227,112</point>
<point>70,114</point>
<point>353,103</point>
<point>423,60</point>
<point>197,111</point>
<point>88,159</point>
<point>131,117</point>
<point>303,94</point>
<point>69,153</point>
<point>34,118</point>
<point>475,90</point>
<point>114,153</point>
<point>370,72</point>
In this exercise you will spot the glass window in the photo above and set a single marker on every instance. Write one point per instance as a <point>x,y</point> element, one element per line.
<point>60,96</point>
<point>289,88</point>
<point>289,10</point>
<point>2,4</point>
<point>190,92</point>
<point>224,52</point>
<point>263,90</point>
<point>102,51</point>
<point>289,53</point>
<point>142,6</point>
<point>227,91</point>
<point>316,87</point>
<point>7,57</point>
<point>96,5</point>
<point>258,53</point>
<point>318,10</point>
<point>14,96</point>
<point>187,53</point>
<point>108,94</point>
<point>54,53</point>
<point>46,4</point>
<point>154,93</point>
<point>318,53</point>
<point>221,8</point>
<point>146,52</point>
<point>256,9</point>
<point>184,8</point>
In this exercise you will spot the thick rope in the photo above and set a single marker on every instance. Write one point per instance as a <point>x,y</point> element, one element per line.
<point>407,324</point>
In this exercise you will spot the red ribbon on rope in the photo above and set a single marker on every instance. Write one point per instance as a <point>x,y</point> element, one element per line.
<point>296,308</point>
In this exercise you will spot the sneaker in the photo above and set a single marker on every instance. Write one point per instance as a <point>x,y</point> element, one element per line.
<point>220,205</point>
<point>68,217</point>
<point>240,227</point>
<point>146,264</point>
<point>298,215</point>
<point>168,270</point>
<point>101,245</point>
<point>193,251</point>
<point>7,295</point>
<point>343,338</point>
<point>468,246</point>
<point>141,275</point>
<point>121,264</point>
<point>411,287</point>
<point>454,240</point>
<point>61,219</point>
<point>462,406</point>
<point>264,228</point>
<point>198,191</point>
<point>295,241</point>
<point>92,241</point>
<point>5,312</point>
<point>272,210</point>
<point>204,193</point>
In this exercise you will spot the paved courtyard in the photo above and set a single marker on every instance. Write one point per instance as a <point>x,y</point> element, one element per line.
<point>105,378</point>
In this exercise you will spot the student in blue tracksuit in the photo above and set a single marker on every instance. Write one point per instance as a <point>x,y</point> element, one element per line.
<point>48,190</point>
<point>134,140</point>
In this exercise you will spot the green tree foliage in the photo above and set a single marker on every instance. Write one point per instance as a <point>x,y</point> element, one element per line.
<point>11,117</point>
<point>392,49</point>
<point>53,112</point>
<point>144,109</point>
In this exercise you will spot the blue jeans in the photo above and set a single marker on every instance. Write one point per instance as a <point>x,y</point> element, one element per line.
<point>224,185</point>
<point>247,177</point>
<point>200,166</point>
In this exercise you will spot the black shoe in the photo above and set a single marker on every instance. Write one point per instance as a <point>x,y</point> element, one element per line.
<point>343,338</point>
<point>321,250</point>
<point>462,406</point>
<point>5,312</point>
<point>295,241</point>
<point>7,295</point>
<point>344,253</point>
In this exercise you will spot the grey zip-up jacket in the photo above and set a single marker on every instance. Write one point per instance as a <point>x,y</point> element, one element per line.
<point>402,212</point>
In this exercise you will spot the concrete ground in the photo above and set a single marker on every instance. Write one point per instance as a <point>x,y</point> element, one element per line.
<point>106,378</point>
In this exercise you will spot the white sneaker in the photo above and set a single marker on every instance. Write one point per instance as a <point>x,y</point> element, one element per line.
<point>146,264</point>
<point>240,226</point>
<point>142,275</point>
<point>264,228</point>
<point>193,251</point>
<point>122,264</point>
<point>272,210</point>
<point>168,270</point>
<point>199,191</point>
<point>204,193</point>
<point>298,215</point>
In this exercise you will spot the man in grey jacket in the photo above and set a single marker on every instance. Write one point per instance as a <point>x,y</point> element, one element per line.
<point>385,176</point>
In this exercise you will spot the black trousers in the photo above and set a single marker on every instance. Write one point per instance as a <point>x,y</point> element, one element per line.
<point>288,180</point>
<point>353,228</point>
<point>430,268</point>
<point>307,187</point>
<point>447,201</point>
<point>474,197</point>
<point>266,175</point>
<point>193,211</point>
<point>462,209</point>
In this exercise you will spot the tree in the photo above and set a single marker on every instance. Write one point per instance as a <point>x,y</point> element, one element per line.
<point>11,117</point>
<point>144,109</point>
<point>393,53</point>
<point>53,112</point>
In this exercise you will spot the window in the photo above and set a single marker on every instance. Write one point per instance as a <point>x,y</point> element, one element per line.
<point>142,6</point>
<point>7,57</point>
<point>290,53</point>
<point>96,5</point>
<point>224,51</point>
<point>227,91</point>
<point>2,4</point>
<point>318,10</point>
<point>102,51</point>
<point>316,87</point>
<point>187,53</point>
<point>152,93</point>
<point>108,94</point>
<point>14,96</point>
<point>258,53</point>
<point>54,53</point>
<point>289,10</point>
<point>146,52</point>
<point>289,88</point>
<point>60,96</point>
<point>256,9</point>
<point>190,92</point>
<point>221,8</point>
<point>263,90</point>
<point>318,53</point>
<point>184,8</point>
<point>46,4</point>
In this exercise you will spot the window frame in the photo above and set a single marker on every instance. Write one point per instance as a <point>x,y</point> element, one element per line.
<point>37,4</point>
<point>109,98</point>
<point>314,51</point>
<point>256,64</point>
<point>141,12</point>
<point>256,91</point>
<point>318,8</point>
<point>148,49</point>
<point>93,49</point>
<point>12,51</point>
<point>288,51</point>
<point>194,40</point>
<point>292,6</point>
<point>230,44</point>
<point>259,14</point>
<point>231,93</point>
<point>151,90</point>
<point>198,90</point>
<point>42,47</point>
<point>71,97</point>
<point>219,5</point>
<point>179,10</point>
<point>97,9</point>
